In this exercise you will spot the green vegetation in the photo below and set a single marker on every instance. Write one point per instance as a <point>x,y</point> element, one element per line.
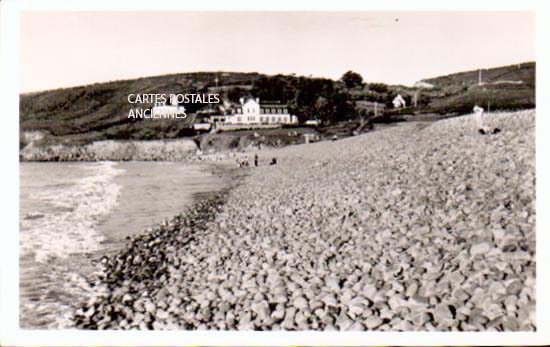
<point>352,79</point>
<point>503,88</point>
<point>100,111</point>
<point>258,138</point>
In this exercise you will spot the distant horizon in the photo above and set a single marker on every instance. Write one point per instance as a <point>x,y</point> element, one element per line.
<point>395,48</point>
<point>266,74</point>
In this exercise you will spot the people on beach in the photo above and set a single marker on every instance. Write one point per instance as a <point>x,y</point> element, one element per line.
<point>256,160</point>
<point>478,118</point>
<point>242,162</point>
<point>273,161</point>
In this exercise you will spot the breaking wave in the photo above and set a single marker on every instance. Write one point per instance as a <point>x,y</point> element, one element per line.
<point>74,210</point>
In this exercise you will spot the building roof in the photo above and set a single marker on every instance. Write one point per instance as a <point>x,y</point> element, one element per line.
<point>272,105</point>
<point>247,98</point>
<point>267,103</point>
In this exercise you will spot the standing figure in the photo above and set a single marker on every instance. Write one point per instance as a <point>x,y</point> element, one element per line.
<point>256,160</point>
<point>478,118</point>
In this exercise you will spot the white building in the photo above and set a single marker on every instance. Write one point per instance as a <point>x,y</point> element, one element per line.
<point>399,102</point>
<point>252,112</point>
<point>202,126</point>
<point>313,122</point>
<point>161,110</point>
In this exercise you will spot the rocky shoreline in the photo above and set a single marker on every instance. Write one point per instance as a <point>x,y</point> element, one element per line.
<point>414,228</point>
<point>110,150</point>
<point>135,280</point>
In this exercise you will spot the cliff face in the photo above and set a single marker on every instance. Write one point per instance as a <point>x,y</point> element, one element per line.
<point>168,150</point>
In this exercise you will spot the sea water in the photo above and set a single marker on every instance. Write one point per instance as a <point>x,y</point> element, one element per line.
<point>73,213</point>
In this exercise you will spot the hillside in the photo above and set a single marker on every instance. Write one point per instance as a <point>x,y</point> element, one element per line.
<point>508,87</point>
<point>524,72</point>
<point>100,111</point>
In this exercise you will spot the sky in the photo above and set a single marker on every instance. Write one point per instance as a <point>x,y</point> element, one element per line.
<point>63,49</point>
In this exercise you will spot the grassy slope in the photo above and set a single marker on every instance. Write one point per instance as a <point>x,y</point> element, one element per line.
<point>99,111</point>
<point>459,92</point>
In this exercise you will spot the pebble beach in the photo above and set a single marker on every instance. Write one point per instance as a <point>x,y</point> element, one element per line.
<point>416,227</point>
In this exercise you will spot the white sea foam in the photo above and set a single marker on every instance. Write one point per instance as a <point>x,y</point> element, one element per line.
<point>79,206</point>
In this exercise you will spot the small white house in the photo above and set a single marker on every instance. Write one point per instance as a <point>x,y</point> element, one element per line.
<point>313,122</point>
<point>202,126</point>
<point>252,112</point>
<point>399,102</point>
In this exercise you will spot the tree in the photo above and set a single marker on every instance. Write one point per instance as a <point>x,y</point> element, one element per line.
<point>352,79</point>
<point>343,107</point>
<point>378,87</point>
